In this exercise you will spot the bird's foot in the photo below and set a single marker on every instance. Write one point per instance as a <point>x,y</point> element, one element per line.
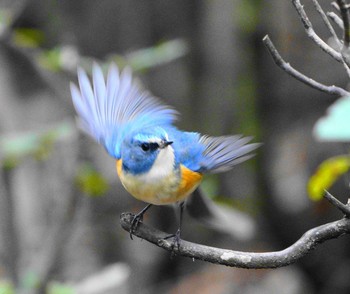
<point>138,218</point>
<point>134,223</point>
<point>176,242</point>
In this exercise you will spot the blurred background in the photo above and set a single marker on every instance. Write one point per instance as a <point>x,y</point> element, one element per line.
<point>60,199</point>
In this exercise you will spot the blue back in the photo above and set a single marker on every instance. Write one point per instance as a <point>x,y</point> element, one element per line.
<point>188,150</point>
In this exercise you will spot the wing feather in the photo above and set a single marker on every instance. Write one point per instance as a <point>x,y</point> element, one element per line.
<point>110,109</point>
<point>222,153</point>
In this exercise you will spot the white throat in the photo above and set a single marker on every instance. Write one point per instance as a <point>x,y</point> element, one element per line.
<point>162,167</point>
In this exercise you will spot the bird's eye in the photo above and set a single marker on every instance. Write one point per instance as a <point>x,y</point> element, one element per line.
<point>149,146</point>
<point>145,146</point>
<point>153,146</point>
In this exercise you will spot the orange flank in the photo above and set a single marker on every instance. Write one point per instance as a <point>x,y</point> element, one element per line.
<point>166,189</point>
<point>119,167</point>
<point>189,181</point>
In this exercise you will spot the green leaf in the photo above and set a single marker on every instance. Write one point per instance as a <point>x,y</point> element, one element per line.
<point>326,175</point>
<point>51,59</point>
<point>28,37</point>
<point>91,182</point>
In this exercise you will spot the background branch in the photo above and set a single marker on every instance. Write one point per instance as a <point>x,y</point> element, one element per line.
<point>298,75</point>
<point>333,33</point>
<point>312,34</point>
<point>336,19</point>
<point>326,21</point>
<point>344,12</point>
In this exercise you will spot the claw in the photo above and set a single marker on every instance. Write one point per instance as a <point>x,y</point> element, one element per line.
<point>134,223</point>
<point>138,218</point>
<point>176,241</point>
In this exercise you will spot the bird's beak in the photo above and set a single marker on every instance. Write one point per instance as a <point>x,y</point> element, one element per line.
<point>165,144</point>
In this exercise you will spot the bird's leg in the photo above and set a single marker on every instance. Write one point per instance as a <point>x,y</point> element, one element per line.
<point>177,235</point>
<point>137,219</point>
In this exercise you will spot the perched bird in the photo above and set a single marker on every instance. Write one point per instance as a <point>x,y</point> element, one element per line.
<point>156,162</point>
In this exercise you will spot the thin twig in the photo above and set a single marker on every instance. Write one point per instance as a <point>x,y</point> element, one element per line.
<point>298,75</point>
<point>249,260</point>
<point>335,5</point>
<point>344,12</point>
<point>311,33</point>
<point>332,31</point>
<point>336,19</point>
<point>326,21</point>
<point>341,206</point>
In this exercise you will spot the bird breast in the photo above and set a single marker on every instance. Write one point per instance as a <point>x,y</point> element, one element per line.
<point>163,183</point>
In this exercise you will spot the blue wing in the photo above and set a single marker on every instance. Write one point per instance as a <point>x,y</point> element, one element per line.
<point>110,110</point>
<point>207,154</point>
<point>222,153</point>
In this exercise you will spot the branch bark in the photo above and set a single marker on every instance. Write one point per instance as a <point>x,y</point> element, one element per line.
<point>248,260</point>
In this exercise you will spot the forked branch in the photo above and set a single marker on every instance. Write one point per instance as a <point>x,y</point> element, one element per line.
<point>312,34</point>
<point>334,90</point>
<point>342,54</point>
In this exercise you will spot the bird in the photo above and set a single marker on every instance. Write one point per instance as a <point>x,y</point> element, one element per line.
<point>156,162</point>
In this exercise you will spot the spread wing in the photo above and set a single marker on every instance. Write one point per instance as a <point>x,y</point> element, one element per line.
<point>110,110</point>
<point>222,153</point>
<point>207,154</point>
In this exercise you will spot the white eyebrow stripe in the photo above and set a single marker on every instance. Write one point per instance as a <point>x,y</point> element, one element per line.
<point>149,139</point>
<point>155,140</point>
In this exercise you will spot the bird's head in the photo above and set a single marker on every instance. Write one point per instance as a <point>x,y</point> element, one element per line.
<point>147,149</point>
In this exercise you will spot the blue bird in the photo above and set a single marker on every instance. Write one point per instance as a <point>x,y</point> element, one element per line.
<point>156,162</point>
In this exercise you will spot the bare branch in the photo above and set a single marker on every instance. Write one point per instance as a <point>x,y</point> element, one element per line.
<point>335,5</point>
<point>311,33</point>
<point>326,21</point>
<point>333,33</point>
<point>344,12</point>
<point>342,207</point>
<point>336,19</point>
<point>249,260</point>
<point>298,75</point>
